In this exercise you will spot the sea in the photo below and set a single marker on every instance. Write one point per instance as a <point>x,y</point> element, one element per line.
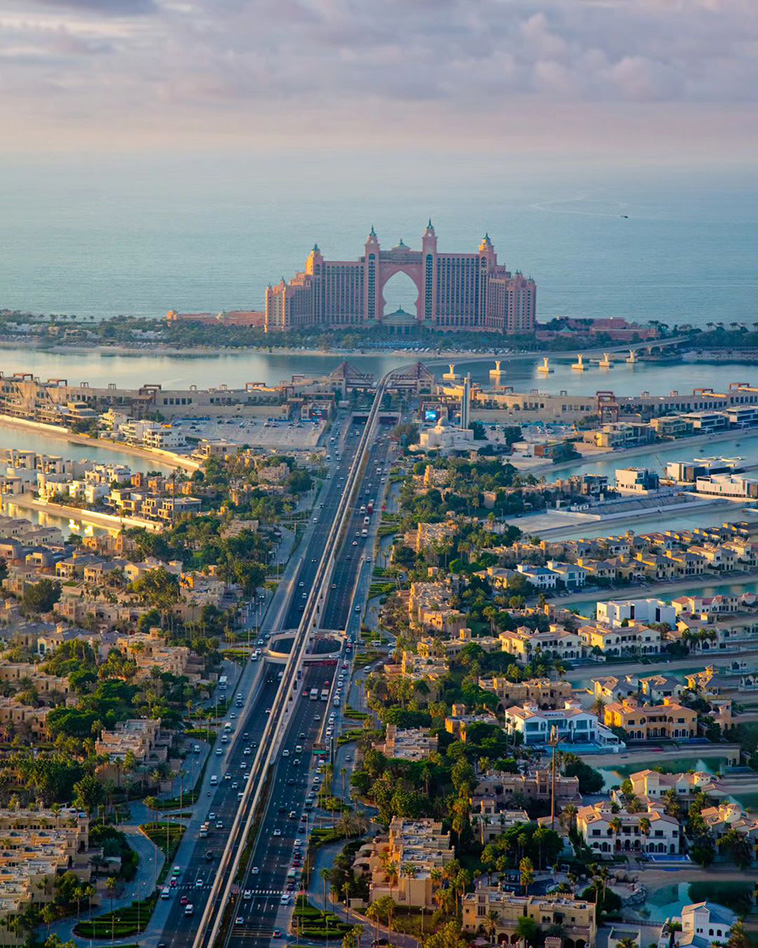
<point>137,234</point>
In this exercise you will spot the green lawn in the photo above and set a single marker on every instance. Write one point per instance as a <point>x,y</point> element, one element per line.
<point>166,836</point>
<point>130,920</point>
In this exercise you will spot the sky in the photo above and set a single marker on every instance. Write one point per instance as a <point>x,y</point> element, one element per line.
<point>632,78</point>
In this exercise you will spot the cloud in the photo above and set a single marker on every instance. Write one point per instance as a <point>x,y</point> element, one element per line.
<point>263,61</point>
<point>106,7</point>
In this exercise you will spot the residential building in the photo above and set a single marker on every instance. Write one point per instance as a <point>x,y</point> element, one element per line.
<point>649,831</point>
<point>701,925</point>
<point>571,723</point>
<point>614,612</point>
<point>644,722</point>
<point>417,843</point>
<point>576,917</point>
<point>632,639</point>
<point>540,691</point>
<point>652,785</point>
<point>408,743</point>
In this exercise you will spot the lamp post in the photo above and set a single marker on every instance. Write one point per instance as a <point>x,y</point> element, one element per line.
<point>554,741</point>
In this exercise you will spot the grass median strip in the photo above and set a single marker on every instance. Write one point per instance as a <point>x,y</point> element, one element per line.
<point>129,920</point>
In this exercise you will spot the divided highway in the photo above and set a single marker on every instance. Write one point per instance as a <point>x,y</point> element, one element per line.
<point>290,715</point>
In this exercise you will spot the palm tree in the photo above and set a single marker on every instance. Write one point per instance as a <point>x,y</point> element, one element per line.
<point>526,871</point>
<point>325,878</point>
<point>627,943</point>
<point>615,827</point>
<point>110,885</point>
<point>493,917</point>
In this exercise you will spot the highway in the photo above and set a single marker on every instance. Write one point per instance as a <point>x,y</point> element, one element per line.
<point>255,920</point>
<point>224,801</point>
<point>195,878</point>
<point>290,714</point>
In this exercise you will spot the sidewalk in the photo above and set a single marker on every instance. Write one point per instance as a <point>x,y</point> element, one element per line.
<point>325,856</point>
<point>150,864</point>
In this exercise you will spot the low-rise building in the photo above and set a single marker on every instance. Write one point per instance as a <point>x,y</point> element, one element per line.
<point>701,925</point>
<point>420,844</point>
<point>540,691</point>
<point>644,722</point>
<point>572,724</point>
<point>631,639</point>
<point>415,743</point>
<point>614,612</point>
<point>490,906</point>
<point>608,829</point>
<point>652,785</point>
<point>495,791</point>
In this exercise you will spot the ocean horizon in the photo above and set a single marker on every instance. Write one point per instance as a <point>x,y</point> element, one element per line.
<point>104,237</point>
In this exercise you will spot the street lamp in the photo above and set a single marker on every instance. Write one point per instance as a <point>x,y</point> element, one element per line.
<point>555,739</point>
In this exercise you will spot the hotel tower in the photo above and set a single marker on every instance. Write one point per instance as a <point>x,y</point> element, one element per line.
<point>456,291</point>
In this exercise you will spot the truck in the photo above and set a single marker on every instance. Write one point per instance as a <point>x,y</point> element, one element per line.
<point>324,694</point>
<point>223,682</point>
<point>314,694</point>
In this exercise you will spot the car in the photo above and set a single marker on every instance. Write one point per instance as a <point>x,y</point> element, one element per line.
<point>199,883</point>
<point>210,856</point>
<point>227,776</point>
<point>285,899</point>
<point>268,710</point>
<point>244,736</point>
<point>301,584</point>
<point>296,762</point>
<point>176,870</point>
<point>290,781</point>
<point>315,519</point>
<point>247,752</point>
<point>211,816</point>
<point>232,715</point>
<point>316,717</point>
<point>277,933</point>
<point>219,824</point>
<point>219,752</point>
<point>247,894</point>
<point>285,753</point>
<point>277,832</point>
<point>172,883</point>
<point>183,900</point>
<point>293,815</point>
<point>235,785</point>
<point>254,871</point>
<point>348,757</point>
<point>239,920</point>
<point>355,543</point>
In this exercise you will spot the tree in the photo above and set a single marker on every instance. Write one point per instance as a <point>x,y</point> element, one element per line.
<point>449,936</point>
<point>41,596</point>
<point>527,930</point>
<point>526,873</point>
<point>89,794</point>
<point>738,937</point>
<point>627,943</point>
<point>110,885</point>
<point>352,937</point>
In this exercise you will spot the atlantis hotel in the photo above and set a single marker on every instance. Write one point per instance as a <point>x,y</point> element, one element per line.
<point>456,291</point>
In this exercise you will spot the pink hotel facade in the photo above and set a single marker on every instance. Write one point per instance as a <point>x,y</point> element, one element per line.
<point>456,291</point>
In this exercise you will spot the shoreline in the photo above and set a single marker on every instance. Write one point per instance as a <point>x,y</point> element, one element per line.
<point>166,458</point>
<point>657,590</point>
<point>653,446</point>
<point>92,517</point>
<point>623,518</point>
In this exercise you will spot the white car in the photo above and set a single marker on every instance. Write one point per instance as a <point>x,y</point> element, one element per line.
<point>248,894</point>
<point>277,832</point>
<point>254,871</point>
